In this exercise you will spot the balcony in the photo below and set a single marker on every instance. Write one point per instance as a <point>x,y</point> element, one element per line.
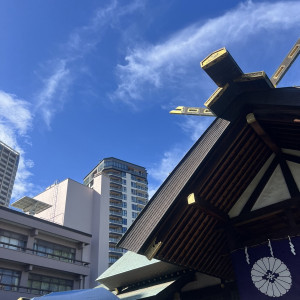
<point>115,213</point>
<point>115,196</point>
<point>115,174</point>
<point>114,221</point>
<point>116,204</point>
<point>116,188</point>
<point>117,250</point>
<point>114,230</point>
<point>42,259</point>
<point>118,181</point>
<point>114,240</point>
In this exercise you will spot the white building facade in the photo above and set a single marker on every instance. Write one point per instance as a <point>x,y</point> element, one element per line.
<point>71,204</point>
<point>128,195</point>
<point>9,160</point>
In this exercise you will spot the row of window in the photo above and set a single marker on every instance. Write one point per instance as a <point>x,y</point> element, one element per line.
<point>134,215</point>
<point>136,207</point>
<point>141,180</point>
<point>138,186</point>
<point>9,279</point>
<point>40,284</point>
<point>137,200</point>
<point>137,193</point>
<point>55,251</point>
<point>37,284</point>
<point>9,163</point>
<point>12,240</point>
<point>15,241</point>
<point>5,150</point>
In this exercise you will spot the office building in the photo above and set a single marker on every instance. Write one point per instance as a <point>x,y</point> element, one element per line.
<point>128,195</point>
<point>71,204</point>
<point>38,257</point>
<point>9,160</point>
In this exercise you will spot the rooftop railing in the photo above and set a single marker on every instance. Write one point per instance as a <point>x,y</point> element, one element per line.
<point>43,254</point>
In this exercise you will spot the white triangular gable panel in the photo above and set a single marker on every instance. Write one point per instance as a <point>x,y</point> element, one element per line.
<point>275,191</point>
<point>237,208</point>
<point>295,169</point>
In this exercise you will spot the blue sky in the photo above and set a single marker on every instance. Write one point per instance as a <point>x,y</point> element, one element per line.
<point>84,80</point>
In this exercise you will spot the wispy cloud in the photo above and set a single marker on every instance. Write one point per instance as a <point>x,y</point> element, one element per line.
<point>194,128</point>
<point>57,76</point>
<point>15,123</point>
<point>64,69</point>
<point>169,63</point>
<point>50,98</point>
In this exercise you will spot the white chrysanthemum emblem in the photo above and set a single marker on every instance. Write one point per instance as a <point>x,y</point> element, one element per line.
<point>271,276</point>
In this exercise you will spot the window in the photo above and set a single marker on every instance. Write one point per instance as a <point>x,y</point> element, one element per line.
<point>134,215</point>
<point>124,213</point>
<point>39,284</point>
<point>124,221</point>
<point>136,207</point>
<point>124,229</point>
<point>9,279</point>
<point>123,181</point>
<point>12,240</point>
<point>55,251</point>
<point>124,204</point>
<point>124,197</point>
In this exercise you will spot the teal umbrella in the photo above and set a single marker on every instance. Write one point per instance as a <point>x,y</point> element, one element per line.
<point>91,294</point>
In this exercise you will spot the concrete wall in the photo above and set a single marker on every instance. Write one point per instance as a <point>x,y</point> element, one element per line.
<point>100,226</point>
<point>87,210</point>
<point>56,195</point>
<point>26,262</point>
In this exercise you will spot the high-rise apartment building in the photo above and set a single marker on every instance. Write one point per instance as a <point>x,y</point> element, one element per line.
<point>9,160</point>
<point>128,195</point>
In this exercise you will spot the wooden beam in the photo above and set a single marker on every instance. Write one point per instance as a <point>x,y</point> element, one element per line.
<point>207,208</point>
<point>282,97</point>
<point>289,179</point>
<point>251,120</point>
<point>288,176</point>
<point>259,188</point>
<point>290,217</point>
<point>292,158</point>
<point>262,213</point>
<point>256,239</point>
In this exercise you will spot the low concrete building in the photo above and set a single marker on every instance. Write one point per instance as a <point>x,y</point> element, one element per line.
<point>37,256</point>
<point>79,207</point>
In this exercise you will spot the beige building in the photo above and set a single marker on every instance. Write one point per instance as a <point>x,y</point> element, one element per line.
<point>37,256</point>
<point>79,207</point>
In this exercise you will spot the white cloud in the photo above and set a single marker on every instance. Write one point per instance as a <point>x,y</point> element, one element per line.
<point>64,69</point>
<point>170,65</point>
<point>15,115</point>
<point>50,97</point>
<point>195,126</point>
<point>160,171</point>
<point>15,122</point>
<point>164,64</point>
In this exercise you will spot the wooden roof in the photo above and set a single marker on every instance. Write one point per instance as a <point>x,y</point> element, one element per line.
<point>216,200</point>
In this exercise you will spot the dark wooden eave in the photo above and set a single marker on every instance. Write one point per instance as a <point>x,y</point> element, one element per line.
<point>218,169</point>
